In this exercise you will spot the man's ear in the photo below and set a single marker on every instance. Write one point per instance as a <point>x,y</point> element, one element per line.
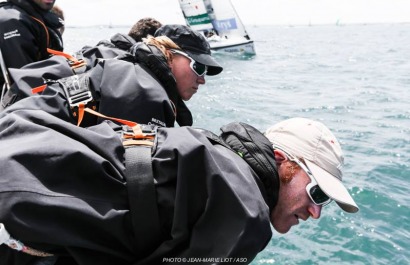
<point>171,63</point>
<point>280,156</point>
<point>284,175</point>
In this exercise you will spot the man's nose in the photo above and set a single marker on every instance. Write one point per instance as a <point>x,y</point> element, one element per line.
<point>201,80</point>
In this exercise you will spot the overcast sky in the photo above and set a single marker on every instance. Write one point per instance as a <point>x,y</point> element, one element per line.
<point>252,12</point>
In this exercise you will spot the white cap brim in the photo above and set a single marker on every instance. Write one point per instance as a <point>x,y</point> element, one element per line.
<point>333,188</point>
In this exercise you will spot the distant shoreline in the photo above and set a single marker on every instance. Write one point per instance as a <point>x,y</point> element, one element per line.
<point>260,25</point>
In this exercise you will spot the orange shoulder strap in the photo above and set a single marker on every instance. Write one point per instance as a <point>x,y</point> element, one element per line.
<point>74,62</point>
<point>45,28</point>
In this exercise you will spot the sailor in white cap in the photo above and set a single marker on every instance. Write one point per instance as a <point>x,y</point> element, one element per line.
<point>310,161</point>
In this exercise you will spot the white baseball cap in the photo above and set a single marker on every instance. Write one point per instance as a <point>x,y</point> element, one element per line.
<point>321,152</point>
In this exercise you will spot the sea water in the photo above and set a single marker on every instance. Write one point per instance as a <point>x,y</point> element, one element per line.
<point>356,80</point>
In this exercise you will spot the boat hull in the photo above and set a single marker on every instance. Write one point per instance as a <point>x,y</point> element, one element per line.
<point>243,47</point>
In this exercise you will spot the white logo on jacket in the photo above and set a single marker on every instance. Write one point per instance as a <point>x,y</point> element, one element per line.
<point>11,34</point>
<point>157,122</point>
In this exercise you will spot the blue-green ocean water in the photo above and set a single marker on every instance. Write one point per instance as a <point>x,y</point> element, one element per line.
<point>355,79</point>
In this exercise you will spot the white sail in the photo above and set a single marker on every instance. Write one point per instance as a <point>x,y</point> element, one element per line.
<point>219,22</point>
<point>195,14</point>
<point>225,20</point>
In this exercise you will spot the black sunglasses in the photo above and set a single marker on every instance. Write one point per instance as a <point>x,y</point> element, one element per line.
<point>198,68</point>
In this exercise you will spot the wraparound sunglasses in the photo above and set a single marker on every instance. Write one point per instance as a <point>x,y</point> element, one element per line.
<point>198,68</point>
<point>316,195</point>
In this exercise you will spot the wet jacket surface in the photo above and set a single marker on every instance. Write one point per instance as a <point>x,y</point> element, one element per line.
<point>23,39</point>
<point>62,190</point>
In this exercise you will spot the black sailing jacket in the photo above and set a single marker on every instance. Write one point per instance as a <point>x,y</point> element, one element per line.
<point>23,37</point>
<point>62,190</point>
<point>121,44</point>
<point>118,45</point>
<point>142,83</point>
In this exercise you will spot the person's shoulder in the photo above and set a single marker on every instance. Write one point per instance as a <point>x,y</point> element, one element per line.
<point>122,41</point>
<point>105,43</point>
<point>191,138</point>
<point>10,12</point>
<point>13,8</point>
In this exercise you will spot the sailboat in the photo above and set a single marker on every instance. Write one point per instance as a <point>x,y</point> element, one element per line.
<point>219,22</point>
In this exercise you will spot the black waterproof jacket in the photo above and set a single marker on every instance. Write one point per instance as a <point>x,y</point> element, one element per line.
<point>138,87</point>
<point>62,190</point>
<point>118,45</point>
<point>26,31</point>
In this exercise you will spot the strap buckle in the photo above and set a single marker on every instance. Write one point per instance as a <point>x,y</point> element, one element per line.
<point>77,90</point>
<point>144,129</point>
<point>78,63</point>
<point>139,134</point>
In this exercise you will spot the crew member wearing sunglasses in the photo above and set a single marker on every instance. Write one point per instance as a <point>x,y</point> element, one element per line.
<point>189,63</point>
<point>189,74</point>
<point>309,160</point>
<point>167,70</point>
<point>149,84</point>
<point>211,197</point>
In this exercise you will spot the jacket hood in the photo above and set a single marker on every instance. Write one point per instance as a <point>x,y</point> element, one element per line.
<point>122,41</point>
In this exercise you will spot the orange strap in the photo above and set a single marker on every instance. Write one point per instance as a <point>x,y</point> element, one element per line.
<point>137,142</point>
<point>45,28</point>
<point>126,122</point>
<point>81,108</point>
<point>128,136</point>
<point>74,62</point>
<point>137,138</point>
<point>38,89</point>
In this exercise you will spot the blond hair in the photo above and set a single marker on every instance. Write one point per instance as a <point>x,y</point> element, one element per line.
<point>163,43</point>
